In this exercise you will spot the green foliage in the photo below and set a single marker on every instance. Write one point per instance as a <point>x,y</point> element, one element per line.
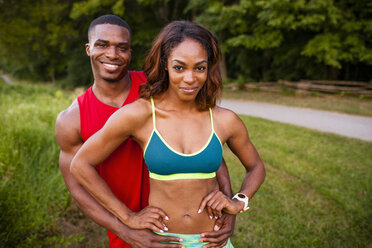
<point>325,36</point>
<point>32,192</point>
<point>90,7</point>
<point>34,36</point>
<point>261,39</point>
<point>79,71</point>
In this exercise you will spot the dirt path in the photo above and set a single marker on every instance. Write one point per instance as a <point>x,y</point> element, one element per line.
<point>6,79</point>
<point>343,124</point>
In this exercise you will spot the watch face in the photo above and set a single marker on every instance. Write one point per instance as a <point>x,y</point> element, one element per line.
<point>241,196</point>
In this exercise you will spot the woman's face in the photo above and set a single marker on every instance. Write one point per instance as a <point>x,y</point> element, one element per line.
<point>187,69</point>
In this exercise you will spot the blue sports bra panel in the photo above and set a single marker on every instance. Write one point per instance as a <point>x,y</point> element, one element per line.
<point>164,163</point>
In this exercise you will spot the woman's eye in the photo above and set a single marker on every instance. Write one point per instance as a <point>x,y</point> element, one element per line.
<point>177,67</point>
<point>201,68</point>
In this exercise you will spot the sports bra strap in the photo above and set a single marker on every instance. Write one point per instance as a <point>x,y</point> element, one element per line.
<point>153,112</point>
<point>153,115</point>
<point>210,111</point>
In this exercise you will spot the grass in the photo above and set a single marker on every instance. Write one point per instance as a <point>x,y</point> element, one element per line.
<point>317,192</point>
<point>32,192</point>
<point>335,103</point>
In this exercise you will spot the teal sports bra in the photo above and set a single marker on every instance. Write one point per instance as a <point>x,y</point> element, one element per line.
<point>164,163</point>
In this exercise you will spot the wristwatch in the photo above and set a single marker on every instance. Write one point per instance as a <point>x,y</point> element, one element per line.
<point>243,198</point>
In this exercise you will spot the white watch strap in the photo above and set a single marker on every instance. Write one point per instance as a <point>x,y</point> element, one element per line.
<point>243,198</point>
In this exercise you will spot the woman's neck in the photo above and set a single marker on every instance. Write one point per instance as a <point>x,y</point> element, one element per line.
<point>169,101</point>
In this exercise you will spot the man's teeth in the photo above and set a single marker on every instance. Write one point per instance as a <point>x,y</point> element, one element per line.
<point>111,66</point>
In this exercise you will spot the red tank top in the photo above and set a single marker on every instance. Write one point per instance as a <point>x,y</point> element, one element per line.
<point>124,170</point>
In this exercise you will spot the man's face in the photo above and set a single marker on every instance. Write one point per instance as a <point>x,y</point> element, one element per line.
<point>109,52</point>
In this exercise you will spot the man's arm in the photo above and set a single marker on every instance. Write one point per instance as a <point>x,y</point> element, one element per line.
<point>67,131</point>
<point>224,227</point>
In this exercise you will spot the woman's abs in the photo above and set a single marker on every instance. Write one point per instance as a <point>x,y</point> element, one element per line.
<point>180,200</point>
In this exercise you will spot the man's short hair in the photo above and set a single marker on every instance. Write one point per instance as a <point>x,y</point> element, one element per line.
<point>109,19</point>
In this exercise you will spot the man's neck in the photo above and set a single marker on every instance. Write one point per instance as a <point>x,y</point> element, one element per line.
<point>112,93</point>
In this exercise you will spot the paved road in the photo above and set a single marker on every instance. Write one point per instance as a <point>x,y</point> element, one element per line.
<point>6,79</point>
<point>347,125</point>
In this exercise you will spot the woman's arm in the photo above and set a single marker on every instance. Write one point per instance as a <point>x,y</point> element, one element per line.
<point>238,141</point>
<point>242,147</point>
<point>96,149</point>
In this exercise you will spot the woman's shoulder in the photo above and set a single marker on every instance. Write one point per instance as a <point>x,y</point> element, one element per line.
<point>225,115</point>
<point>228,121</point>
<point>137,110</point>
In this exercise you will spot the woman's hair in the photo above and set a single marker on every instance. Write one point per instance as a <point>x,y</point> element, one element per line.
<point>156,61</point>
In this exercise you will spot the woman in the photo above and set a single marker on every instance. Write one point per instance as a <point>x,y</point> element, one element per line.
<point>181,130</point>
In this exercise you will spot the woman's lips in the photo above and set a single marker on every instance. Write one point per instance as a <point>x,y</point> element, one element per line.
<point>189,90</point>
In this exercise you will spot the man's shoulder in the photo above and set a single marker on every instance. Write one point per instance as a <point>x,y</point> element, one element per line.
<point>67,129</point>
<point>138,77</point>
<point>70,117</point>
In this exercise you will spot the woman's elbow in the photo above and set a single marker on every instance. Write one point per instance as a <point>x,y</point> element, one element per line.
<point>74,168</point>
<point>263,171</point>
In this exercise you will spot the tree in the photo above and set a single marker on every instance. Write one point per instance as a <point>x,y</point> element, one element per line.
<point>34,37</point>
<point>272,39</point>
<point>260,39</point>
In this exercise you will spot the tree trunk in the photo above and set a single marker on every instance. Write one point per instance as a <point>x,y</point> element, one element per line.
<point>222,65</point>
<point>266,64</point>
<point>175,10</point>
<point>53,77</point>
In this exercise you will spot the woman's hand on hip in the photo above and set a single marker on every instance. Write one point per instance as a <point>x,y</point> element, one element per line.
<point>216,202</point>
<point>148,218</point>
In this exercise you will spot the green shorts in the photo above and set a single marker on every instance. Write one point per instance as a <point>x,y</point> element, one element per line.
<point>191,240</point>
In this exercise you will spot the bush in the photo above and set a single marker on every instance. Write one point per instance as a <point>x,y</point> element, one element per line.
<point>79,71</point>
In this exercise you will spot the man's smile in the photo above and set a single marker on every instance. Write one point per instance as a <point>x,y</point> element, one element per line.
<point>111,66</point>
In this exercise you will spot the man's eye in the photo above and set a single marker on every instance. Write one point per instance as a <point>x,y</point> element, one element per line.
<point>124,49</point>
<point>177,67</point>
<point>101,45</point>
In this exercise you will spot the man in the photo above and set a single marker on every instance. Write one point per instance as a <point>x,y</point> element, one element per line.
<point>124,171</point>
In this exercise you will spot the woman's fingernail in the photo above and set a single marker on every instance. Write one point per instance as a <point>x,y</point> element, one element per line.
<point>161,231</point>
<point>216,217</point>
<point>166,218</point>
<point>165,228</point>
<point>210,217</point>
<point>199,211</point>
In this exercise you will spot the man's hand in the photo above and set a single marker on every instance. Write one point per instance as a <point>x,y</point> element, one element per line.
<point>224,228</point>
<point>146,238</point>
